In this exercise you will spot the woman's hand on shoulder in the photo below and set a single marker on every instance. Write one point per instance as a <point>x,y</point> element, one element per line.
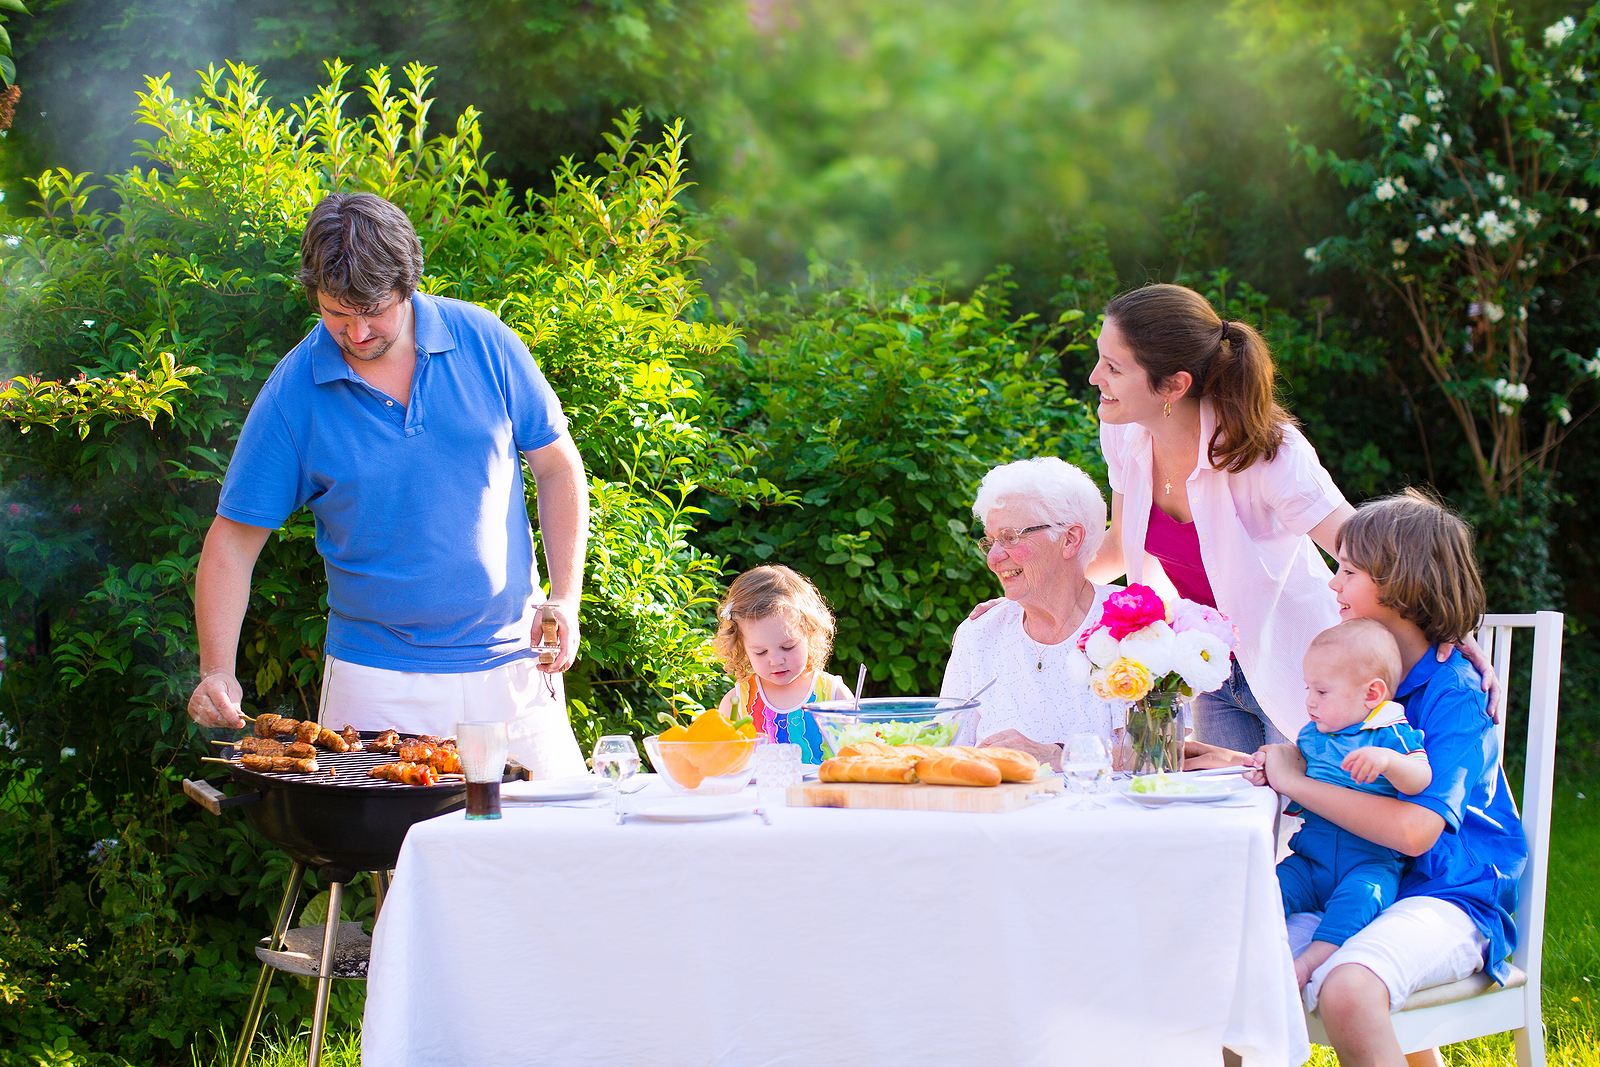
<point>1040,751</point>
<point>1475,656</point>
<point>978,611</point>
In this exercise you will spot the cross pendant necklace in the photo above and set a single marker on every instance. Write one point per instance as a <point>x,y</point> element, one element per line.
<point>1169,486</point>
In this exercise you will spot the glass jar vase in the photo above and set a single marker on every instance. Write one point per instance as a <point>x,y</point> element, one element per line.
<point>1155,734</point>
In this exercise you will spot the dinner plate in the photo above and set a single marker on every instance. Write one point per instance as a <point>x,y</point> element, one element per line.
<point>1211,790</point>
<point>575,788</point>
<point>693,809</point>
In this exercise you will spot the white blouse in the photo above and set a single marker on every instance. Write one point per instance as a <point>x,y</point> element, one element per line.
<point>1034,695</point>
<point>1267,574</point>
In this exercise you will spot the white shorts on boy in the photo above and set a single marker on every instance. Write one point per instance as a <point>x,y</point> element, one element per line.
<point>373,698</point>
<point>1417,943</point>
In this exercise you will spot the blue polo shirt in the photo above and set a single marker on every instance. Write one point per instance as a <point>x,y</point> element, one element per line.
<point>420,510</point>
<point>1384,727</point>
<point>1477,861</point>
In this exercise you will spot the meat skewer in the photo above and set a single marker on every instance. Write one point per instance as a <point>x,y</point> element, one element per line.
<point>386,741</point>
<point>279,763</point>
<point>442,760</point>
<point>405,773</point>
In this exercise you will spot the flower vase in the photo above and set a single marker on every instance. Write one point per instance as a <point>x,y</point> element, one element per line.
<point>1155,734</point>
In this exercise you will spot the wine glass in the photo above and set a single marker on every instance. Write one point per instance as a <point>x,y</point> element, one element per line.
<point>1087,763</point>
<point>616,758</point>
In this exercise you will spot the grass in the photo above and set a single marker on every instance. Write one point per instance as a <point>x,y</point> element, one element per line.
<point>1571,960</point>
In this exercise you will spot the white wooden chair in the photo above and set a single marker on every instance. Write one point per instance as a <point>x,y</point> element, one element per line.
<point>1477,1006</point>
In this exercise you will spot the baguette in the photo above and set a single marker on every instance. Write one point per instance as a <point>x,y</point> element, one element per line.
<point>896,770</point>
<point>1014,764</point>
<point>957,769</point>
<point>866,748</point>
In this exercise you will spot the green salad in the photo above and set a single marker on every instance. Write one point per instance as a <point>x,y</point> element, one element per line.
<point>894,733</point>
<point>1162,785</point>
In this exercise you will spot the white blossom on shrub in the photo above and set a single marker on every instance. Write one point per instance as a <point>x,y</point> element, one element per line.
<point>1388,188</point>
<point>1557,32</point>
<point>1408,123</point>
<point>1577,74</point>
<point>1564,413</point>
<point>1578,204</point>
<point>1431,151</point>
<point>1427,233</point>
<point>1496,182</point>
<point>1434,96</point>
<point>1313,255</point>
<point>1511,392</point>
<point>1399,245</point>
<point>1494,228</point>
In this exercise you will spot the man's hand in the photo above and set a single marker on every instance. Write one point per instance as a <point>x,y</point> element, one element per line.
<point>1367,764</point>
<point>215,701</point>
<point>567,629</point>
<point>1040,751</point>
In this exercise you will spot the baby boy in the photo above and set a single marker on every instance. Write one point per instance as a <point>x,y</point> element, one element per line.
<point>1359,739</point>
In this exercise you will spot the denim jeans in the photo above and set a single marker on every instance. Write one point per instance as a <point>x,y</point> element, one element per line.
<point>1231,718</point>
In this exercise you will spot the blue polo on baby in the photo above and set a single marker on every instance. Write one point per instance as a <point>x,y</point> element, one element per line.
<point>1347,878</point>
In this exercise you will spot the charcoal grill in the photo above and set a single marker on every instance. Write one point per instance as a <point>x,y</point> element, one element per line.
<point>339,824</point>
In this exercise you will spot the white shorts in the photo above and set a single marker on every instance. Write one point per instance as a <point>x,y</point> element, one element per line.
<point>1417,943</point>
<point>373,698</point>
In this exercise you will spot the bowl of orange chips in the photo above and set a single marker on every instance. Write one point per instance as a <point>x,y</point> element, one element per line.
<point>709,757</point>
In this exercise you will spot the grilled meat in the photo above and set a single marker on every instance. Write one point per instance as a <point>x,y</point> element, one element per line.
<point>443,760</point>
<point>386,741</point>
<point>270,725</point>
<point>279,763</point>
<point>352,739</point>
<point>405,773</point>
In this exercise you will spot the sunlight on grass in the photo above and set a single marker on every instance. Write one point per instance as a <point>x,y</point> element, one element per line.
<point>339,1050</point>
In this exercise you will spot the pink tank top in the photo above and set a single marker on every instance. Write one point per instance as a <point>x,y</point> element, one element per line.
<point>1177,545</point>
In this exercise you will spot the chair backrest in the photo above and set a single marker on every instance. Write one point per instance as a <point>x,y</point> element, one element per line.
<point>1538,784</point>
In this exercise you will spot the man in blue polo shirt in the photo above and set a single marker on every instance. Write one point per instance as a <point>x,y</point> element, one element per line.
<point>402,421</point>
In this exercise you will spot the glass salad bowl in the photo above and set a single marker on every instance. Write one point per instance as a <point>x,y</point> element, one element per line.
<point>890,720</point>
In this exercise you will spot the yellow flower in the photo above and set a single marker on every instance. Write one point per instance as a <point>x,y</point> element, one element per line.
<point>1123,679</point>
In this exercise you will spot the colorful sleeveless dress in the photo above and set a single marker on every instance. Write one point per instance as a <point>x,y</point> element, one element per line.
<point>787,727</point>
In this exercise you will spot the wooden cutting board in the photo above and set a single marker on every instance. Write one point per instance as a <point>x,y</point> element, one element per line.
<point>1007,796</point>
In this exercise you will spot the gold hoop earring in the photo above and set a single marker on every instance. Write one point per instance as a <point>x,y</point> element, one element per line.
<point>1166,409</point>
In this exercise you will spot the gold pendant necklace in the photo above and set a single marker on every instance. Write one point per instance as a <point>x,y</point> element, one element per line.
<point>1169,486</point>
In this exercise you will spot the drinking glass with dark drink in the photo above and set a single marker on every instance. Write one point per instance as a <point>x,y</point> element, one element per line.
<point>616,759</point>
<point>483,748</point>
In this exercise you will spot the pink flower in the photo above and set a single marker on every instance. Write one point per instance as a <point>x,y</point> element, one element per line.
<point>1083,638</point>
<point>15,509</point>
<point>1132,609</point>
<point>1189,615</point>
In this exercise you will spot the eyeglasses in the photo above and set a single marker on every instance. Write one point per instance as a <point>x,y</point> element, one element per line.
<point>1011,538</point>
<point>364,317</point>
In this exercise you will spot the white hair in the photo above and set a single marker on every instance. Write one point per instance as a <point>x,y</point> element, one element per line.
<point>1064,495</point>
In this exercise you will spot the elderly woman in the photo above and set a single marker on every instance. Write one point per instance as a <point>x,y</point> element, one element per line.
<point>1043,521</point>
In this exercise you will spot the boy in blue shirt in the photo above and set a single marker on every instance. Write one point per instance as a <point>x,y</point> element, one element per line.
<point>1358,739</point>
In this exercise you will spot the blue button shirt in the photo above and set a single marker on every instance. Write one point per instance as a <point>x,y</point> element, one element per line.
<point>420,510</point>
<point>1477,861</point>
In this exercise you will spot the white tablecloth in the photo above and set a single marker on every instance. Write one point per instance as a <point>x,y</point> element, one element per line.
<point>837,937</point>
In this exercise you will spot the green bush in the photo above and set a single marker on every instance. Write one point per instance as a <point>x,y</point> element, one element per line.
<point>881,407</point>
<point>147,330</point>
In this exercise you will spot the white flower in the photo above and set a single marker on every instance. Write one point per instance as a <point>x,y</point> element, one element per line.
<point>1434,97</point>
<point>1399,246</point>
<point>1078,667</point>
<point>1155,646</point>
<point>1578,204</point>
<point>1444,139</point>
<point>1496,181</point>
<point>1493,312</point>
<point>1511,392</point>
<point>1530,218</point>
<point>1564,413</point>
<point>1202,660</point>
<point>1592,366</point>
<point>1313,255</point>
<point>68,753</point>
<point>1408,123</point>
<point>88,324</point>
<point>1511,202</point>
<point>1505,409</point>
<point>1427,233</point>
<point>1385,189</point>
<point>1522,314</point>
<point>1431,151</point>
<point>1462,9</point>
<point>1494,228</point>
<point>1577,74</point>
<point>1103,648</point>
<point>1557,32</point>
<point>1564,116</point>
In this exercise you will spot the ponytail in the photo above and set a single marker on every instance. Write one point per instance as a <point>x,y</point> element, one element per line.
<point>1172,328</point>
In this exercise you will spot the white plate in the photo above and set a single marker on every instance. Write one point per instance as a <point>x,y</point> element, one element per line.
<point>693,809</point>
<point>575,788</point>
<point>1211,790</point>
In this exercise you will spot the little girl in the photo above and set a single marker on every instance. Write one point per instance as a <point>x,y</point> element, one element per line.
<point>775,636</point>
<point>1407,563</point>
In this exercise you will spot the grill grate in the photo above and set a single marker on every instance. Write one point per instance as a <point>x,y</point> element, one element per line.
<point>349,771</point>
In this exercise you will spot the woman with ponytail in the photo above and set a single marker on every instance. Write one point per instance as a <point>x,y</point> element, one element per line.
<point>1215,489</point>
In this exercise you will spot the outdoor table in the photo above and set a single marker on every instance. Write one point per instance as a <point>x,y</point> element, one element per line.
<point>1045,936</point>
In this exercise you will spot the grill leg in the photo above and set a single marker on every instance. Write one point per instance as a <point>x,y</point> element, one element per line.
<point>380,886</point>
<point>330,941</point>
<point>258,1002</point>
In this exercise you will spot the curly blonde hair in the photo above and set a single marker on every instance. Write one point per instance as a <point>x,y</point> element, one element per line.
<point>762,593</point>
